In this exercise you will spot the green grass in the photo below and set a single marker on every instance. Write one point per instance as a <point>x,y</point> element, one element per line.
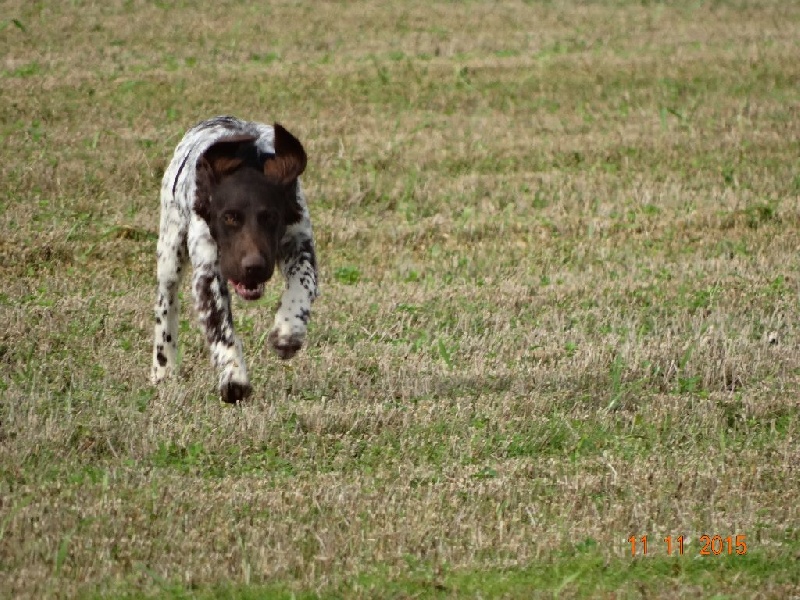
<point>558,257</point>
<point>577,572</point>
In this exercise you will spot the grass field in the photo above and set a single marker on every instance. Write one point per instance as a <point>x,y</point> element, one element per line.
<point>558,248</point>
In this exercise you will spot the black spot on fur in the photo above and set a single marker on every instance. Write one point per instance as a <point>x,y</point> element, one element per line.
<point>178,175</point>
<point>213,317</point>
<point>306,248</point>
<point>162,360</point>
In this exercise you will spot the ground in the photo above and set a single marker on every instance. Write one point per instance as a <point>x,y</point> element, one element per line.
<point>558,249</point>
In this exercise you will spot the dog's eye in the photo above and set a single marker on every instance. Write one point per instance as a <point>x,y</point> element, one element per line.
<point>265,219</point>
<point>230,219</point>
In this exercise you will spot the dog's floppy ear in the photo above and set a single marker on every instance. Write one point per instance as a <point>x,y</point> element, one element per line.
<point>221,159</point>
<point>224,156</point>
<point>290,158</point>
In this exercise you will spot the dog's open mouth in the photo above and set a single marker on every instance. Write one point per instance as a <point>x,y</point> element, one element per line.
<point>247,293</point>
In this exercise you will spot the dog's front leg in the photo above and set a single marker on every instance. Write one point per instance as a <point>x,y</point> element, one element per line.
<point>213,304</point>
<point>298,263</point>
<point>171,259</point>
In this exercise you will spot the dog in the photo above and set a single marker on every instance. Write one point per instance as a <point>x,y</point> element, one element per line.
<point>232,205</point>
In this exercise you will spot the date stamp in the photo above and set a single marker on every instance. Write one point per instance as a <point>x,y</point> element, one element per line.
<point>708,545</point>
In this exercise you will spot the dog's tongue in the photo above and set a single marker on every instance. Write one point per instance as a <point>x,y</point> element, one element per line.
<point>247,293</point>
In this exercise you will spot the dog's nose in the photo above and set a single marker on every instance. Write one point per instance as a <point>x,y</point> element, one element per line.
<point>255,268</point>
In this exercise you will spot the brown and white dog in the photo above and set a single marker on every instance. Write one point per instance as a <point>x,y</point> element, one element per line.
<point>232,204</point>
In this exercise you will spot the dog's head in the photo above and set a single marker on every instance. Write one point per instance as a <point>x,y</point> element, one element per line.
<point>248,199</point>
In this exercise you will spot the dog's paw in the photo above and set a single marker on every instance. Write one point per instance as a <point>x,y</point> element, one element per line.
<point>158,374</point>
<point>234,392</point>
<point>286,344</point>
<point>234,385</point>
<point>164,359</point>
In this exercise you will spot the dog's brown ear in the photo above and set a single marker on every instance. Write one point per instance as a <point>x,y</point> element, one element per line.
<point>224,156</point>
<point>290,158</point>
<point>221,159</point>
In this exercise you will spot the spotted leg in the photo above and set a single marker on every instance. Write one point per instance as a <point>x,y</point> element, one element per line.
<point>171,261</point>
<point>298,264</point>
<point>213,304</point>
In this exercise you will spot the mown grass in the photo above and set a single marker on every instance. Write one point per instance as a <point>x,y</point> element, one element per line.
<point>558,247</point>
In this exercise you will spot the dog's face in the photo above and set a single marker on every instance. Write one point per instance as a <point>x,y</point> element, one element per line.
<point>248,220</point>
<point>248,202</point>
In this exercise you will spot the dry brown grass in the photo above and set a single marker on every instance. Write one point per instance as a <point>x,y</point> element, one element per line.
<point>559,266</point>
